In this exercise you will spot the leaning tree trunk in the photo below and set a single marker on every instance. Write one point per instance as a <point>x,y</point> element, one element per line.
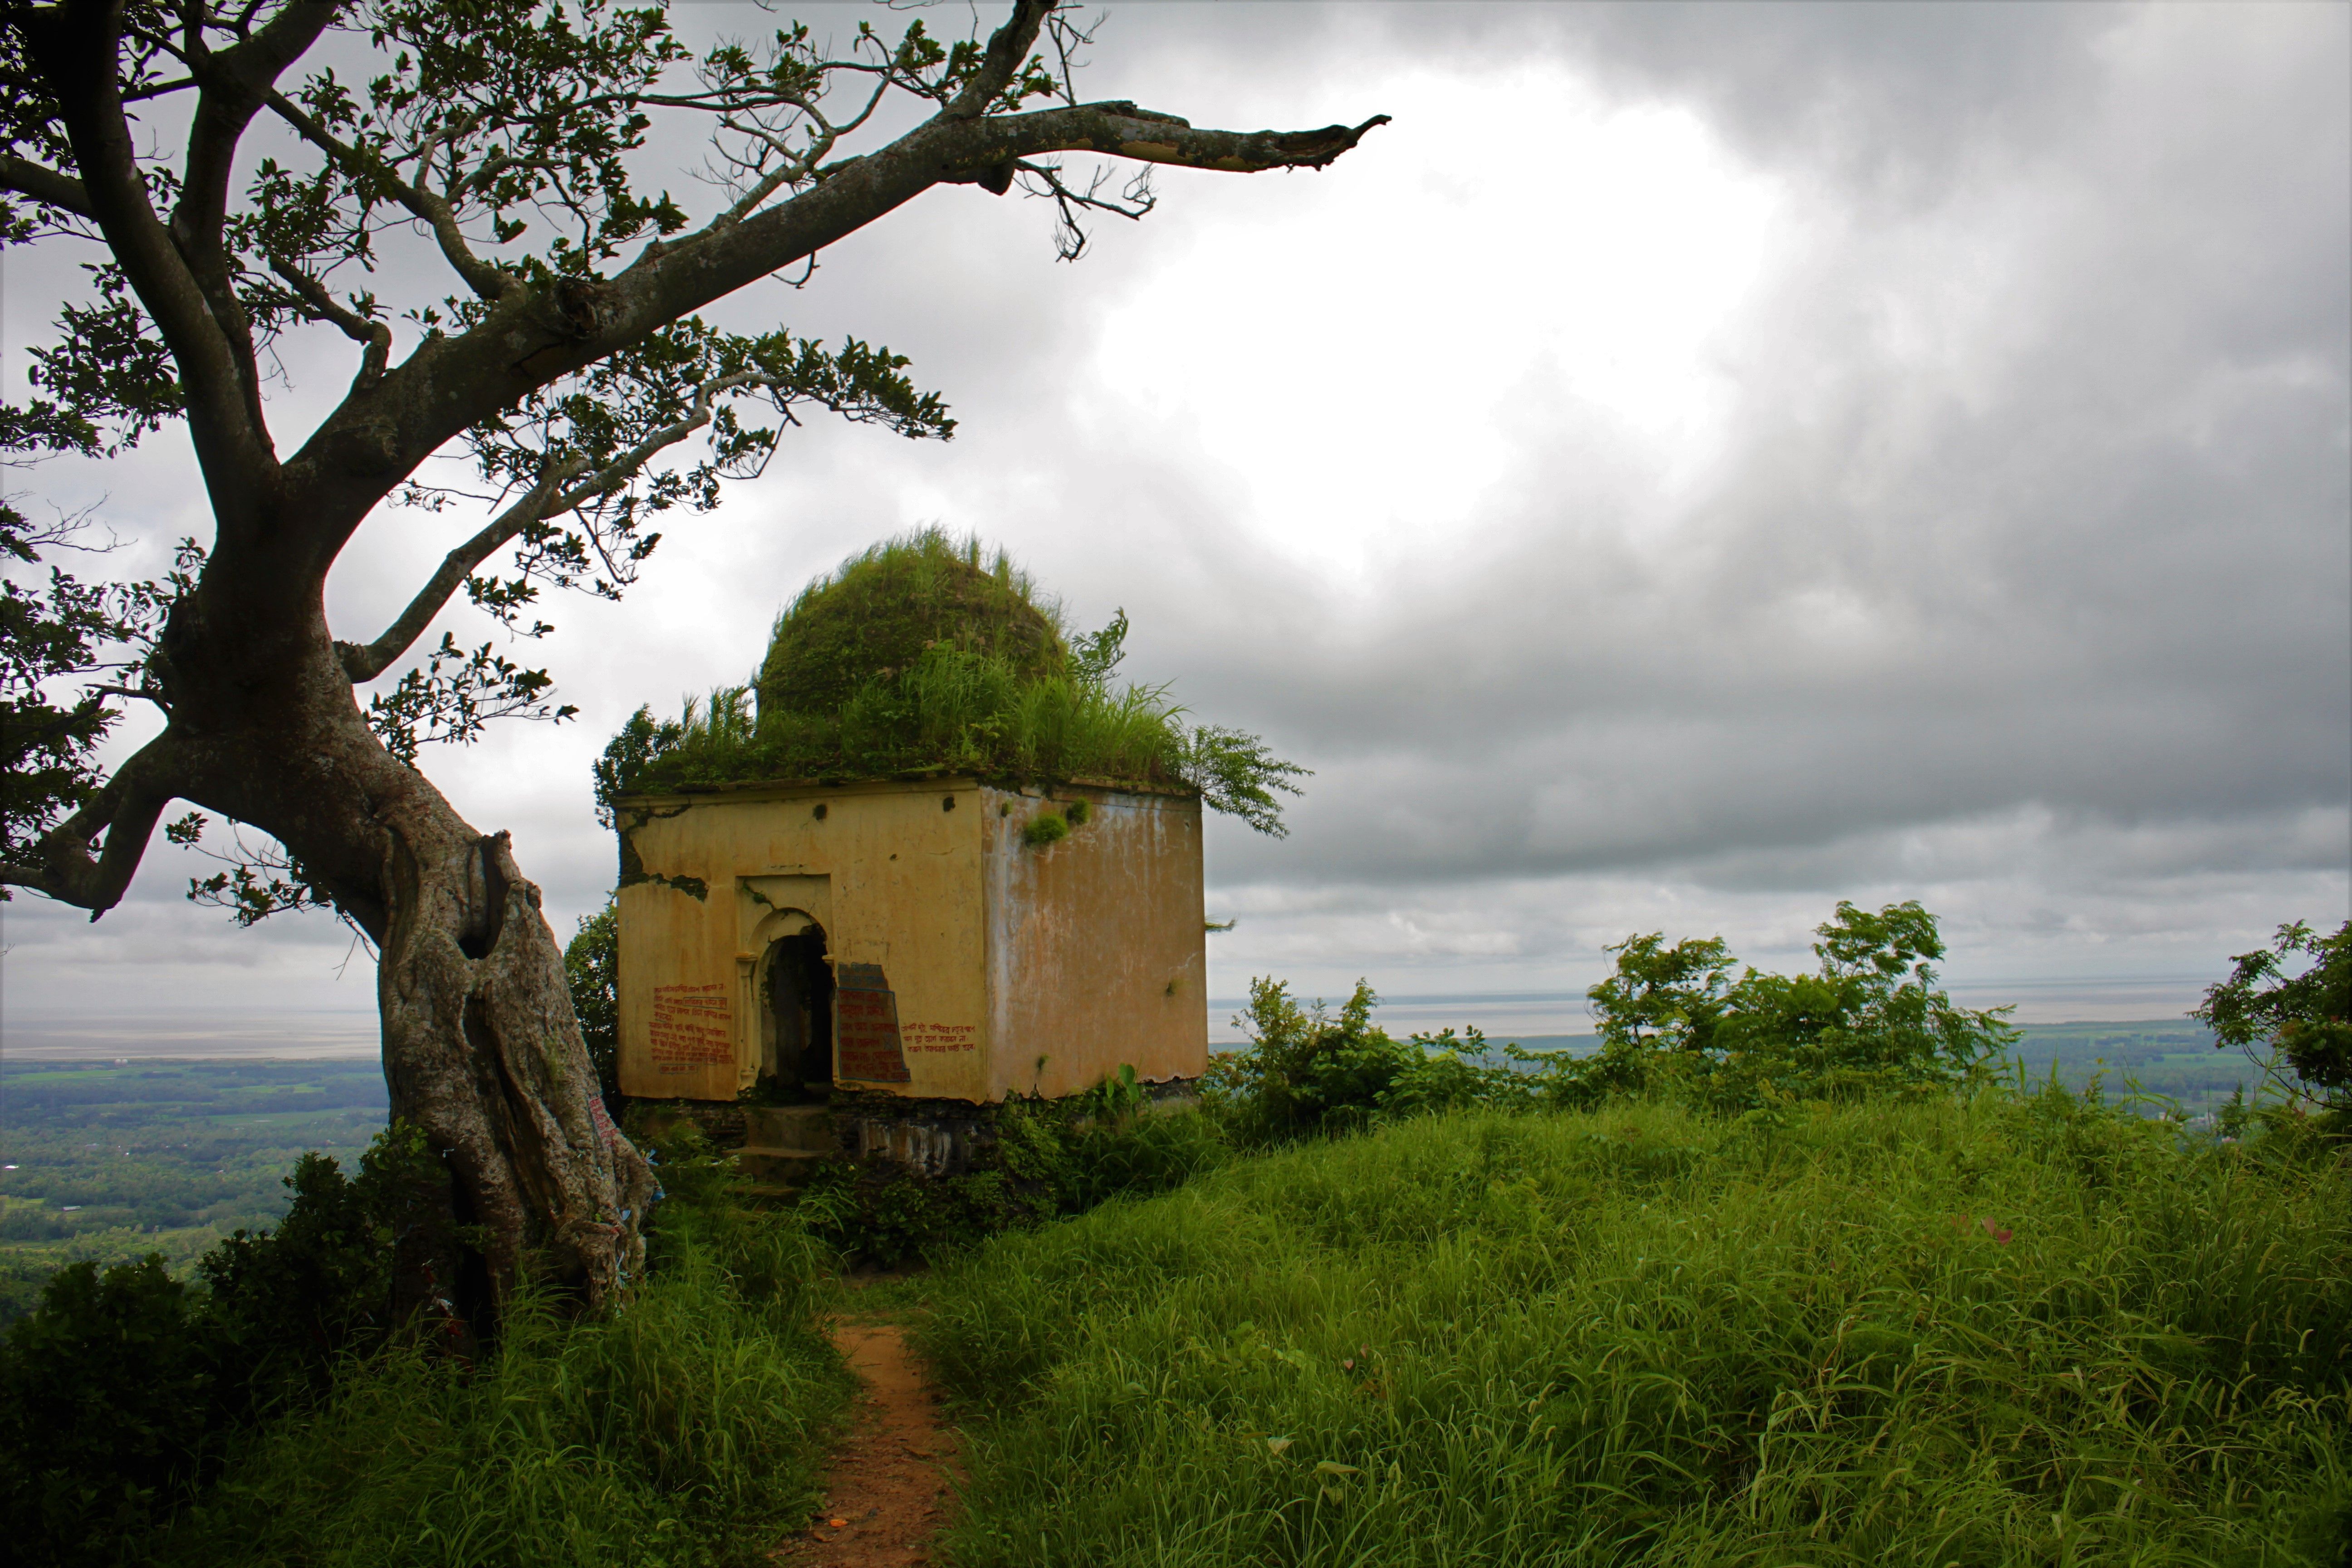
<point>481,1050</point>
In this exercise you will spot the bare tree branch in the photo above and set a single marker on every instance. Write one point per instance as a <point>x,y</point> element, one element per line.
<point>375,336</point>
<point>125,809</point>
<point>76,49</point>
<point>554,495</point>
<point>143,693</point>
<point>44,184</point>
<point>1133,202</point>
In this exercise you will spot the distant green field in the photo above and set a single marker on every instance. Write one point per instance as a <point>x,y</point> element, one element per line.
<point>113,1161</point>
<point>2170,1059</point>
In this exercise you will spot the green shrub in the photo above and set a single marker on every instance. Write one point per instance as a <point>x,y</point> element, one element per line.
<point>120,1392</point>
<point>1673,1023</point>
<point>2305,1018</point>
<point>1907,1332</point>
<point>1305,1070</point>
<point>1045,828</point>
<point>1870,1021</point>
<point>686,1428</point>
<point>106,1407</point>
<point>273,1415</point>
<point>1037,1160</point>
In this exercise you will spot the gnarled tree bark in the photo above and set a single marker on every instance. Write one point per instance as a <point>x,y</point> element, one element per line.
<point>481,1049</point>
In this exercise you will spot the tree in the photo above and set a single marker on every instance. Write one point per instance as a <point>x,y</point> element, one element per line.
<point>1871,1021</point>
<point>58,633</point>
<point>2306,1017</point>
<point>591,967</point>
<point>233,186</point>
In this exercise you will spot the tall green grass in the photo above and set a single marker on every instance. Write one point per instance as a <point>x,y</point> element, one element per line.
<point>2004,1331</point>
<point>685,1429</point>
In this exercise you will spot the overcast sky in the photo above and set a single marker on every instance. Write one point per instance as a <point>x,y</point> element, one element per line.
<point>1695,465</point>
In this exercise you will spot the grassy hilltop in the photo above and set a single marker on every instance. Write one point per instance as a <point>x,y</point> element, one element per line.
<point>1786,1270</point>
<point>1985,1332</point>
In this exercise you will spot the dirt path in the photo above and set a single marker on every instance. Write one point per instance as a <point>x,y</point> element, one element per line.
<point>888,1492</point>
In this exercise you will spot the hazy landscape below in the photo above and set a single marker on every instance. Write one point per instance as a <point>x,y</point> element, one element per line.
<point>203,1026</point>
<point>110,1159</point>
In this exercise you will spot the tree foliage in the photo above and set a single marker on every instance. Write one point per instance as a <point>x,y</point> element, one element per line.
<point>57,635</point>
<point>1869,1020</point>
<point>1672,1024</point>
<point>2306,1017</point>
<point>592,966</point>
<point>566,388</point>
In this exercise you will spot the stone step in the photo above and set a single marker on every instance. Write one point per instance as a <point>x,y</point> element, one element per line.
<point>770,1194</point>
<point>807,1127</point>
<point>788,1166</point>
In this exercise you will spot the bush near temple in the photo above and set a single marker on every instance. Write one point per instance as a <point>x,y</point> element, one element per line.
<point>1672,1024</point>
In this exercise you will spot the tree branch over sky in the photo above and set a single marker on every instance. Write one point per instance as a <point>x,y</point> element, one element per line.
<point>232,189</point>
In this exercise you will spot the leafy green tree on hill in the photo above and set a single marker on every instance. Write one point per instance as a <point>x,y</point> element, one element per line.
<point>1674,1024</point>
<point>1869,1020</point>
<point>591,967</point>
<point>461,207</point>
<point>2306,1016</point>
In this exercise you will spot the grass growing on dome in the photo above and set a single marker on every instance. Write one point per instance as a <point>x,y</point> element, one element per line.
<point>876,614</point>
<point>920,657</point>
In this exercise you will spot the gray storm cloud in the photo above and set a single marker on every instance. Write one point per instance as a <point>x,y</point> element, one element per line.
<point>2010,566</point>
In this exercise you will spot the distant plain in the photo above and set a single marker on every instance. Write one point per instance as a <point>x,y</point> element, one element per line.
<point>113,1159</point>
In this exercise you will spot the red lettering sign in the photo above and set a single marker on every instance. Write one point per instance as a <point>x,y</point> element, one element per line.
<point>693,1026</point>
<point>936,1038</point>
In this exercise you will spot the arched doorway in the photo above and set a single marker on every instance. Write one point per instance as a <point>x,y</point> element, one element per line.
<point>796,1002</point>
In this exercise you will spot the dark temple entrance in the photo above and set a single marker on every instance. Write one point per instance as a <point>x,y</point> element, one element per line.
<point>800,1000</point>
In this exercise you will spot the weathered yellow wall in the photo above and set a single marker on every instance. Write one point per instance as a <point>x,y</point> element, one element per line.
<point>1096,952</point>
<point>902,879</point>
<point>1088,952</point>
